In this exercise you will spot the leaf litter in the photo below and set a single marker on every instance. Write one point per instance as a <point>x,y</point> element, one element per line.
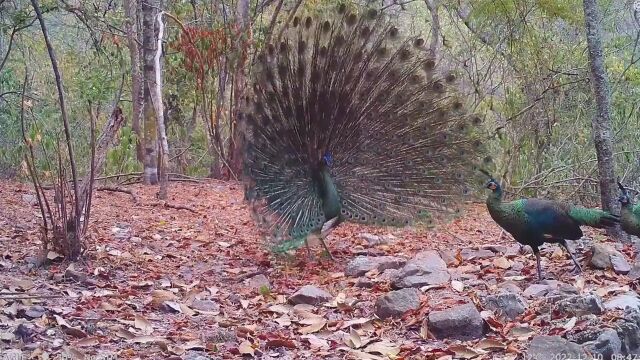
<point>159,282</point>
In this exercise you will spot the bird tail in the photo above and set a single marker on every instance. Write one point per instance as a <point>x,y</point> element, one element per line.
<point>402,145</point>
<point>593,217</point>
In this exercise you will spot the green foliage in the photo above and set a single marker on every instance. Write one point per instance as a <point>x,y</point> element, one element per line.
<point>121,159</point>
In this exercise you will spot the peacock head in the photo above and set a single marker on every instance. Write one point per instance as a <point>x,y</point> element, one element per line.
<point>624,198</point>
<point>327,158</point>
<point>492,185</point>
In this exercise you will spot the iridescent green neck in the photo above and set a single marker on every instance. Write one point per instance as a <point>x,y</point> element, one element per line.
<point>329,195</point>
<point>495,197</point>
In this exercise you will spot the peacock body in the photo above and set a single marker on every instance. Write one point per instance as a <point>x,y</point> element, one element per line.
<point>534,222</point>
<point>349,121</point>
<point>629,213</point>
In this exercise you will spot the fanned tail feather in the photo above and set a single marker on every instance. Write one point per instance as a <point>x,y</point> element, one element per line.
<point>350,85</point>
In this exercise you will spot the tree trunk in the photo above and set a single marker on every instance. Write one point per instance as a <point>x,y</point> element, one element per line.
<point>601,123</point>
<point>149,12</point>
<point>159,110</point>
<point>238,129</point>
<point>137,99</point>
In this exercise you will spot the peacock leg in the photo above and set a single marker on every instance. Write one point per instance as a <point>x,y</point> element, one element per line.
<point>326,248</point>
<point>536,251</point>
<point>306,243</point>
<point>563,243</point>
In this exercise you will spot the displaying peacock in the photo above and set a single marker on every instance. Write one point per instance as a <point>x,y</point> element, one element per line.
<point>534,222</point>
<point>629,214</point>
<point>349,121</point>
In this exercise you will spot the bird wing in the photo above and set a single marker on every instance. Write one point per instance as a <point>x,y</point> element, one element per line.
<point>551,219</point>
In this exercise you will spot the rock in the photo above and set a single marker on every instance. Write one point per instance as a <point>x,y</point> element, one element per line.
<point>620,264</point>
<point>462,322</point>
<point>468,254</point>
<point>606,257</point>
<point>205,305</point>
<point>448,256</point>
<point>364,283</point>
<point>375,240</point>
<point>258,282</point>
<point>554,347</point>
<point>75,275</point>
<point>510,287</point>
<point>496,248</point>
<point>35,311</point>
<point>622,301</point>
<point>30,199</point>
<point>396,303</point>
<point>550,287</point>
<point>363,264</point>
<point>311,295</point>
<point>634,274</point>
<point>426,268</point>
<point>629,335</point>
<point>581,305</point>
<point>13,354</point>
<point>607,344</point>
<point>509,305</point>
<point>417,281</point>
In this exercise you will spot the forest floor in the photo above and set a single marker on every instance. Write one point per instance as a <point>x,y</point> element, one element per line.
<point>160,282</point>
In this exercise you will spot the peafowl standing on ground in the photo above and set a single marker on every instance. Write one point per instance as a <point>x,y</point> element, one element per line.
<point>534,222</point>
<point>349,121</point>
<point>629,214</point>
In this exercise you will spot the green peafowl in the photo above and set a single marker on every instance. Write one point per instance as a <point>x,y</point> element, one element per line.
<point>534,222</point>
<point>629,214</point>
<point>350,122</point>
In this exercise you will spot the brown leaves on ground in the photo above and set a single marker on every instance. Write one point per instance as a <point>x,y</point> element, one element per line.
<point>164,282</point>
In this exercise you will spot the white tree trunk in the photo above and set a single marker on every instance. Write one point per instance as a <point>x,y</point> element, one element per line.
<point>159,109</point>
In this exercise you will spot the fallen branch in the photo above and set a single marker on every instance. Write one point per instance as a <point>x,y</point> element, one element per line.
<point>118,189</point>
<point>175,206</point>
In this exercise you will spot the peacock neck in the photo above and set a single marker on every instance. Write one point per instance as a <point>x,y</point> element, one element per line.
<point>329,195</point>
<point>494,200</point>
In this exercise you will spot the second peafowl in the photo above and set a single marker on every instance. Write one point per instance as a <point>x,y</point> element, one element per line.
<point>534,222</point>
<point>350,121</point>
<point>629,214</point>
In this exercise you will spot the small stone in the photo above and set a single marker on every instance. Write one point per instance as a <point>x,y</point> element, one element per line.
<point>258,282</point>
<point>620,264</point>
<point>426,268</point>
<point>30,199</point>
<point>35,311</point>
<point>364,283</point>
<point>462,322</point>
<point>75,275</point>
<point>629,334</point>
<point>468,254</point>
<point>396,303</point>
<point>606,345</point>
<point>606,257</point>
<point>509,305</point>
<point>363,264</point>
<point>581,305</point>
<point>549,288</point>
<point>372,240</point>
<point>448,256</point>
<point>622,301</point>
<point>205,305</point>
<point>311,295</point>
<point>510,287</point>
<point>553,347</point>
<point>496,248</point>
<point>634,274</point>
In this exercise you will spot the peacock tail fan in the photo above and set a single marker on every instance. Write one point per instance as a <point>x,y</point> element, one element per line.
<point>402,144</point>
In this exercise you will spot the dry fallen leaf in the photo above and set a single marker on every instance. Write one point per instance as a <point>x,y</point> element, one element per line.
<point>143,324</point>
<point>465,352</point>
<point>502,263</point>
<point>457,285</point>
<point>316,342</point>
<point>384,347</point>
<point>315,326</point>
<point>246,348</point>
